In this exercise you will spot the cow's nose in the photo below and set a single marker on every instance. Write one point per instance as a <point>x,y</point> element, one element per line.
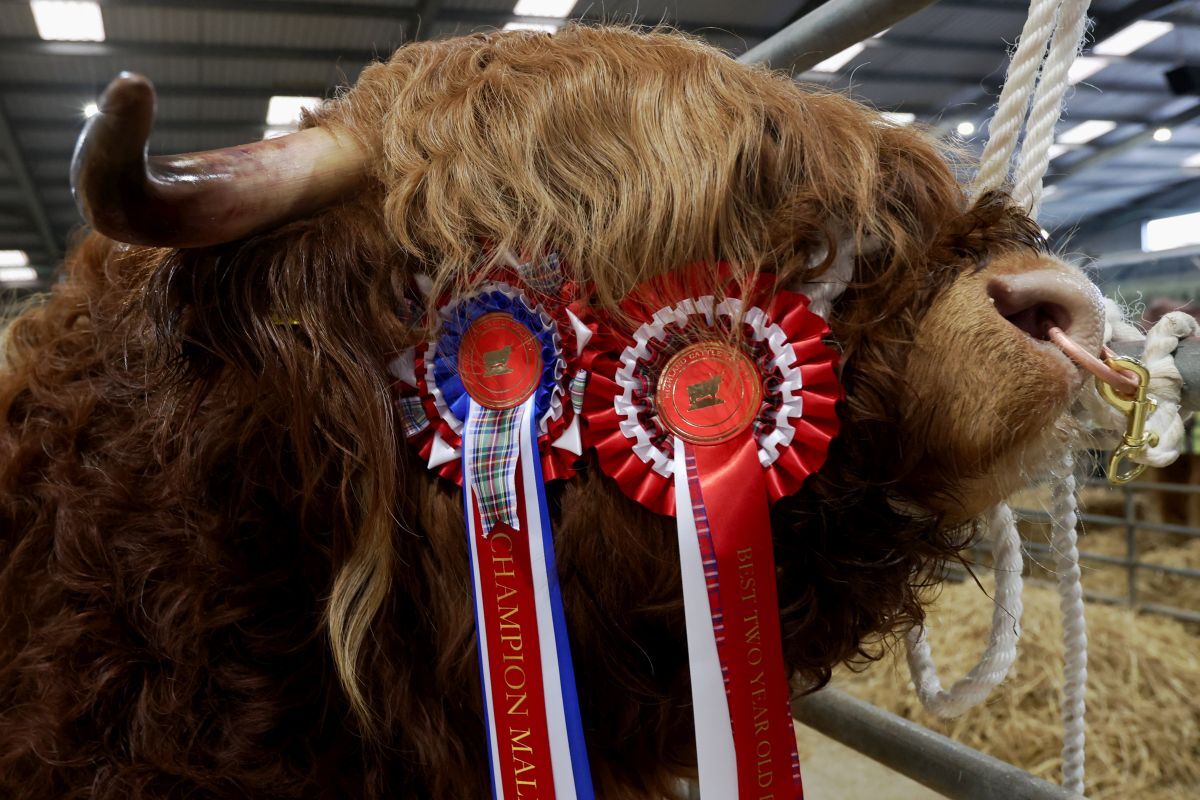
<point>1038,300</point>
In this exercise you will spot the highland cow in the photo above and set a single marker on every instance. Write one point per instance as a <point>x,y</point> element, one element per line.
<point>225,574</point>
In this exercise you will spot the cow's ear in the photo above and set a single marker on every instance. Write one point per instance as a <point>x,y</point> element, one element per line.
<point>824,289</point>
<point>832,269</point>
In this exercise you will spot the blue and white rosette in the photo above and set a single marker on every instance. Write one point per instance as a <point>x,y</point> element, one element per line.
<point>487,389</point>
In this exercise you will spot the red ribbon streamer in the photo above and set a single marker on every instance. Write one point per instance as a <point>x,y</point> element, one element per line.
<point>733,493</point>
<point>514,664</point>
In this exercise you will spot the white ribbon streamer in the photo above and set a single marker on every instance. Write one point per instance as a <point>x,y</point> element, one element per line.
<point>715,755</point>
<point>481,637</point>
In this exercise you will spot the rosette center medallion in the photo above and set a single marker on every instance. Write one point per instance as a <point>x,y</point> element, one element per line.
<point>499,361</point>
<point>708,393</point>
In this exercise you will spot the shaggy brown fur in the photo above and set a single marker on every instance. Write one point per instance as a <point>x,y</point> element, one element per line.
<point>207,519</point>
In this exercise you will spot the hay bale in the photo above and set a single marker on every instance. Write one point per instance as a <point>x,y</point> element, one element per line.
<point>1143,694</point>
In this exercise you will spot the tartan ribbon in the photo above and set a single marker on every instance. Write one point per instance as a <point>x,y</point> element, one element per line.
<point>577,389</point>
<point>412,416</point>
<point>493,453</point>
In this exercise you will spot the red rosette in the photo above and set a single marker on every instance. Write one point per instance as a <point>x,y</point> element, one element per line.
<point>439,426</point>
<point>797,417</point>
<point>602,425</point>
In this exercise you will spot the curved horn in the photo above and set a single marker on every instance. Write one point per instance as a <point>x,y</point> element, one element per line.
<point>200,199</point>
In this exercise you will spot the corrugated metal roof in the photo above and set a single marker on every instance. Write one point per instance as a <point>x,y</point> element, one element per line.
<point>979,24</point>
<point>481,5</point>
<point>16,20</point>
<point>215,78</point>
<point>757,13</point>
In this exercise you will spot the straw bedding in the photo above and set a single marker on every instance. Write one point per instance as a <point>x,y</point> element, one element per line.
<point>1161,588</point>
<point>1143,694</point>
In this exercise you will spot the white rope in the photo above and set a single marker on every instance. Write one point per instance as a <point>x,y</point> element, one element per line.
<point>1005,125</point>
<point>1063,540</point>
<point>1166,386</point>
<point>1037,81</point>
<point>1001,651</point>
<point>1048,104</point>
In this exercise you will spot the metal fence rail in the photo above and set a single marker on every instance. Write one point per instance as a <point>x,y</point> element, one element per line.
<point>944,765</point>
<point>947,767</point>
<point>1131,560</point>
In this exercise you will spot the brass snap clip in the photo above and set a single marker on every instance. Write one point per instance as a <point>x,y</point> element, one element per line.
<point>1136,410</point>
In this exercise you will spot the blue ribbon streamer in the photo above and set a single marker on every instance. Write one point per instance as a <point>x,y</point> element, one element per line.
<point>445,373</point>
<point>566,665</point>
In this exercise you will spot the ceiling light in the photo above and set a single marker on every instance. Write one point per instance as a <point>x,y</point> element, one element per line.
<point>1192,161</point>
<point>1045,233</point>
<point>965,128</point>
<point>1084,132</point>
<point>13,258</point>
<point>90,110</point>
<point>1168,233</point>
<point>285,110</point>
<point>68,20</point>
<point>1139,34</point>
<point>548,27</point>
<point>543,8</point>
<point>1162,135</point>
<point>899,117</point>
<point>18,274</point>
<point>1057,150</point>
<point>1050,191</point>
<point>839,60</point>
<point>1085,67</point>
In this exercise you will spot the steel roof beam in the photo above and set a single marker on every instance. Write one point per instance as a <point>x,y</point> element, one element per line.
<point>427,12</point>
<point>953,47</point>
<point>411,15</point>
<point>160,125</point>
<point>865,76</point>
<point>110,48</point>
<point>1160,199</point>
<point>201,91</point>
<point>1104,25</point>
<point>20,170</point>
<point>1115,149</point>
<point>116,48</point>
<point>197,91</point>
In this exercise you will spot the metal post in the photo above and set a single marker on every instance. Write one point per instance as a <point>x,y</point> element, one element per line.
<point>1131,549</point>
<point>829,29</point>
<point>942,764</point>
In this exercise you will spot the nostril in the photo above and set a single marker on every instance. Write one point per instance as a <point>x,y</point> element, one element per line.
<point>1027,309</point>
<point>1036,320</point>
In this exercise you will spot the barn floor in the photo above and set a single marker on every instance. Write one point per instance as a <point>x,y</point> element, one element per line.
<point>833,771</point>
